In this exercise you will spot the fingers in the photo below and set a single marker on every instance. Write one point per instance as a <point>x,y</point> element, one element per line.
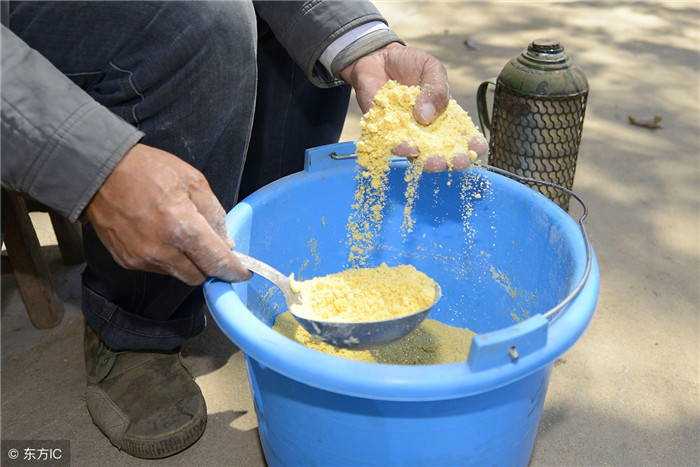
<point>432,163</point>
<point>199,233</point>
<point>152,256</point>
<point>209,246</point>
<point>435,91</point>
<point>460,162</point>
<point>180,267</point>
<point>479,145</point>
<point>211,254</point>
<point>405,149</point>
<point>209,207</point>
<point>189,249</point>
<point>435,164</point>
<point>412,67</point>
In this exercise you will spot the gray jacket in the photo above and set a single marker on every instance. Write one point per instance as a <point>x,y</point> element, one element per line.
<point>59,145</point>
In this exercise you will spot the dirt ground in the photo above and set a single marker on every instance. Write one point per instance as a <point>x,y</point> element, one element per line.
<point>628,392</point>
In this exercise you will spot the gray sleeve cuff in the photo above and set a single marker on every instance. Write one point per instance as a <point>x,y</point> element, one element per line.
<point>361,47</point>
<point>306,29</point>
<point>114,139</point>
<point>66,170</point>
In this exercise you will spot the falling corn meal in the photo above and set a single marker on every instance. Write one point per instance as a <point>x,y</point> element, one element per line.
<point>388,124</point>
<point>364,294</point>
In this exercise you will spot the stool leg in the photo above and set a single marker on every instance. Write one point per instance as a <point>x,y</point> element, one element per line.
<point>44,306</point>
<point>70,242</point>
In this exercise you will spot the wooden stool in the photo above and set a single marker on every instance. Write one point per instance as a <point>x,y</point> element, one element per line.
<point>27,260</point>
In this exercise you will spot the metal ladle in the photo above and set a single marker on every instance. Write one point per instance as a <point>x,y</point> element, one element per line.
<point>345,335</point>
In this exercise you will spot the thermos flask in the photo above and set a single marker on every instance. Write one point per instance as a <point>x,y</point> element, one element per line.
<point>537,118</point>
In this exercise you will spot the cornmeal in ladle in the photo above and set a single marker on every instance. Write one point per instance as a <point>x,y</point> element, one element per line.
<point>364,294</point>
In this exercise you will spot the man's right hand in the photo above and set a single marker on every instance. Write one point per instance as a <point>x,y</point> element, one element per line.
<point>157,213</point>
<point>412,67</point>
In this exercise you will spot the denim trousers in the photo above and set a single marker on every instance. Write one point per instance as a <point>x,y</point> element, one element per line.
<point>206,81</point>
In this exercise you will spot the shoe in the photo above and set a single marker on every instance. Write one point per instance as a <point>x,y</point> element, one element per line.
<point>145,402</point>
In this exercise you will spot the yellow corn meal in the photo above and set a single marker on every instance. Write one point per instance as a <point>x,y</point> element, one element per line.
<point>364,294</point>
<point>387,124</point>
<point>390,121</point>
<point>431,343</point>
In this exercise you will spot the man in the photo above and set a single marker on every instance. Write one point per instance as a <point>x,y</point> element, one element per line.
<point>147,121</point>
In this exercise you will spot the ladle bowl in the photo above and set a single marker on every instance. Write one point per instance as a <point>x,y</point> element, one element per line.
<point>342,334</point>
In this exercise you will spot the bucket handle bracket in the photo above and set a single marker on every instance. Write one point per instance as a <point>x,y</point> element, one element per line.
<point>330,156</point>
<point>509,345</point>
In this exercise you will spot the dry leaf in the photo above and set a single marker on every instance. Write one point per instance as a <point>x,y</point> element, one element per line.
<point>646,122</point>
<point>471,45</point>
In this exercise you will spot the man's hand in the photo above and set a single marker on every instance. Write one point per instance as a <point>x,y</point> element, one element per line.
<point>411,67</point>
<point>157,213</point>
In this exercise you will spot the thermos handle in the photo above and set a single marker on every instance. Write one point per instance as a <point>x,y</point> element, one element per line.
<point>482,108</point>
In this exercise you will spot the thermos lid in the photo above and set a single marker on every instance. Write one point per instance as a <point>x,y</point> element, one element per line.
<point>544,69</point>
<point>545,46</point>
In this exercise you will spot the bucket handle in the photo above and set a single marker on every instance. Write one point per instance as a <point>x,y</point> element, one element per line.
<point>552,314</point>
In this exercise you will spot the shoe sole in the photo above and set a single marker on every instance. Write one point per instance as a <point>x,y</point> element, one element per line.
<point>174,443</point>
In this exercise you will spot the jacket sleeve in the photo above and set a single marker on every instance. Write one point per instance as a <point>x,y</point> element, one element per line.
<point>58,144</point>
<point>306,28</point>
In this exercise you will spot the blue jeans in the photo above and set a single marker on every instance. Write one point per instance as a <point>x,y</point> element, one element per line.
<point>206,81</point>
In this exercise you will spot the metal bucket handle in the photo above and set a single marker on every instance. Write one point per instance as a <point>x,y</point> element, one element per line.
<point>553,313</point>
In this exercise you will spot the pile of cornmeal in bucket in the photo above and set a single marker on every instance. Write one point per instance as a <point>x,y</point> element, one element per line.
<point>431,343</point>
<point>388,124</point>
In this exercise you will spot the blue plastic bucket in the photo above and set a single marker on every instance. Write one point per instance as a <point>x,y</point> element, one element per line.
<point>504,256</point>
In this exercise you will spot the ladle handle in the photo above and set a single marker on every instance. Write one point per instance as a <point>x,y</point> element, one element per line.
<point>269,273</point>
